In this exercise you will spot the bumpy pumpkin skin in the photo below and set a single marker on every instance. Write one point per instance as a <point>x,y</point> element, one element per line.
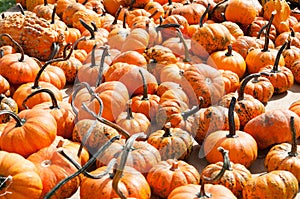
<point>132,184</point>
<point>278,158</point>
<point>165,177</point>
<point>234,179</point>
<point>277,184</point>
<point>272,127</point>
<point>21,171</point>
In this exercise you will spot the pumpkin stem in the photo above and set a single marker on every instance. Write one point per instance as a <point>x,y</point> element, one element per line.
<point>288,46</point>
<point>232,131</point>
<point>223,16</point>
<point>292,32</point>
<point>93,57</point>
<point>129,110</point>
<point>293,152</point>
<point>19,121</point>
<point>90,29</point>
<point>193,110</point>
<point>45,2</point>
<point>226,166</point>
<point>20,7</point>
<point>79,40</point>
<point>105,121</point>
<point>167,129</point>
<point>1,53</point>
<point>17,44</point>
<point>131,4</point>
<point>3,15</point>
<point>215,7</point>
<point>101,67</point>
<point>43,90</point>
<point>204,15</point>
<point>244,83</point>
<point>229,51</point>
<point>36,81</point>
<point>145,86</point>
<point>53,15</point>
<point>117,15</point>
<point>119,171</point>
<point>203,194</point>
<point>186,49</point>
<point>85,138</point>
<point>169,25</point>
<point>275,68</point>
<point>83,168</point>
<point>124,19</point>
<point>174,166</point>
<point>261,31</point>
<point>54,50</point>
<point>110,165</point>
<point>266,45</point>
<point>153,14</point>
<point>170,2</point>
<point>5,182</point>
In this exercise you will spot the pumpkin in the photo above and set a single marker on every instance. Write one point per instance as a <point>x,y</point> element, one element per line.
<point>5,87</point>
<point>260,88</point>
<point>137,40</point>
<point>231,80</point>
<point>228,60</point>
<point>44,10</point>
<point>12,65</point>
<point>281,77</point>
<point>273,184</point>
<point>172,143</point>
<point>131,57</point>
<point>146,103</point>
<point>169,174</point>
<point>155,9</point>
<point>174,19</point>
<point>61,111</point>
<point>15,171</point>
<point>242,146</point>
<point>85,15</point>
<point>283,37</point>
<point>142,155</point>
<point>290,54</point>
<point>7,103</point>
<point>70,10</point>
<point>295,107</point>
<point>247,107</point>
<point>52,165</point>
<point>26,126</point>
<point>29,30</point>
<point>133,122</point>
<point>212,119</point>
<point>124,181</point>
<point>243,44</point>
<point>295,68</point>
<point>235,176</point>
<point>247,11</point>
<point>272,127</point>
<point>258,58</point>
<point>254,29</point>
<point>285,156</point>
<point>206,82</point>
<point>210,38</point>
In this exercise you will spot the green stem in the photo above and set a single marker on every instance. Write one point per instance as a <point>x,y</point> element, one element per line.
<point>277,59</point>
<point>17,44</point>
<point>244,83</point>
<point>19,122</point>
<point>204,15</point>
<point>119,171</point>
<point>232,131</point>
<point>293,152</point>
<point>82,169</point>
<point>43,90</point>
<point>36,81</point>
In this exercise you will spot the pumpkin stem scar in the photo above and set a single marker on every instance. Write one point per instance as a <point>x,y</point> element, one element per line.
<point>5,182</point>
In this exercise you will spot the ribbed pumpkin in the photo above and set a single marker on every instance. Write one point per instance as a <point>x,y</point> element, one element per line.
<point>172,143</point>
<point>15,171</point>
<point>279,183</point>
<point>242,147</point>
<point>285,156</point>
<point>235,176</point>
<point>166,175</point>
<point>7,103</point>
<point>26,126</point>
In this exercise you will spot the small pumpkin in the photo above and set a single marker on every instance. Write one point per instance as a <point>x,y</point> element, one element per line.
<point>7,103</point>
<point>241,145</point>
<point>166,175</point>
<point>172,143</point>
<point>14,173</point>
<point>271,185</point>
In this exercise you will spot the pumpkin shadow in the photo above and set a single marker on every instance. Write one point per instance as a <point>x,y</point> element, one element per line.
<point>278,96</point>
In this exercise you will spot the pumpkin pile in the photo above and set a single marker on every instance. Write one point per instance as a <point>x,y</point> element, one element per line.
<point>108,98</point>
